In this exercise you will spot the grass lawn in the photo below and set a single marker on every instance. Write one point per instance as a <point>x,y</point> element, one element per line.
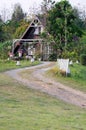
<point>22,108</point>
<point>77,80</point>
<point>8,65</point>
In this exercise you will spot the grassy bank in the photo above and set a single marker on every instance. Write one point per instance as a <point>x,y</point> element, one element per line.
<point>8,65</point>
<point>22,108</point>
<point>77,80</point>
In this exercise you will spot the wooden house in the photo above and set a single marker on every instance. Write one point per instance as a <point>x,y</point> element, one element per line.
<point>31,42</point>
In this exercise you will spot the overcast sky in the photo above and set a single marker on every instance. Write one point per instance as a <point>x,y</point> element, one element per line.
<point>27,5</point>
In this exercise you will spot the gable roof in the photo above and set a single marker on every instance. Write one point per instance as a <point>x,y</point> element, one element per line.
<point>29,32</point>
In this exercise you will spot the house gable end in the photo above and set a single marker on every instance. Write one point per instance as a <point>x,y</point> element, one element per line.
<point>35,28</point>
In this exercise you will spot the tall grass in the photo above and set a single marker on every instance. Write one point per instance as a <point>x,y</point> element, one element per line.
<point>77,79</point>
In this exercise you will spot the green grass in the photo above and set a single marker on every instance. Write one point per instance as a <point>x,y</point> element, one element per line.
<point>8,65</point>
<point>22,108</point>
<point>77,80</point>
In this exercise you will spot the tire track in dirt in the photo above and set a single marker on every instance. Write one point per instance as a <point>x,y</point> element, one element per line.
<point>40,82</point>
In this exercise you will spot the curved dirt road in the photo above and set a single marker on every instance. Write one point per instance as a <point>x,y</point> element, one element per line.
<point>37,80</point>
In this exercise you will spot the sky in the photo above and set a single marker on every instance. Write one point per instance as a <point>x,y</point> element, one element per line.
<point>28,5</point>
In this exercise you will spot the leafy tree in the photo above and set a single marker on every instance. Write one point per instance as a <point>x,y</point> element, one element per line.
<point>1,29</point>
<point>16,20</point>
<point>18,13</point>
<point>9,28</point>
<point>80,19</point>
<point>1,19</point>
<point>5,47</point>
<point>47,5</point>
<point>21,29</point>
<point>62,25</point>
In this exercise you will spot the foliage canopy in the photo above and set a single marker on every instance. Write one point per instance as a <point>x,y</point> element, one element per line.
<point>62,25</point>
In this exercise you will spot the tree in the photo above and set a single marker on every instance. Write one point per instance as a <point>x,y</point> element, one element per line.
<point>17,17</point>
<point>6,14</point>
<point>80,18</point>
<point>1,19</point>
<point>45,7</point>
<point>62,25</point>
<point>1,29</point>
<point>4,30</point>
<point>9,29</point>
<point>18,13</point>
<point>21,29</point>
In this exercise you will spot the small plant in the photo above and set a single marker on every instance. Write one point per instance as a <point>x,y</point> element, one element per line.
<point>63,73</point>
<point>55,70</point>
<point>83,59</point>
<point>38,55</point>
<point>53,57</point>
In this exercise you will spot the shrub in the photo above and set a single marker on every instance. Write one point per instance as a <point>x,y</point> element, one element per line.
<point>5,47</point>
<point>63,73</point>
<point>83,59</point>
<point>71,55</point>
<point>55,70</point>
<point>53,57</point>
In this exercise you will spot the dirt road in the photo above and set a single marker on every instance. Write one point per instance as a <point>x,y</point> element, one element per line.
<point>37,80</point>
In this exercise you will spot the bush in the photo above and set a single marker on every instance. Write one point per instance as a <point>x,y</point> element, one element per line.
<point>53,57</point>
<point>71,55</point>
<point>83,59</point>
<point>5,47</point>
<point>63,73</point>
<point>55,70</point>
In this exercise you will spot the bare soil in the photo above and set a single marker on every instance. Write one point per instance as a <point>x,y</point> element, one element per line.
<point>37,80</point>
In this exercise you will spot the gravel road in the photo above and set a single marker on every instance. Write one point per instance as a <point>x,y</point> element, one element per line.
<point>37,80</point>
